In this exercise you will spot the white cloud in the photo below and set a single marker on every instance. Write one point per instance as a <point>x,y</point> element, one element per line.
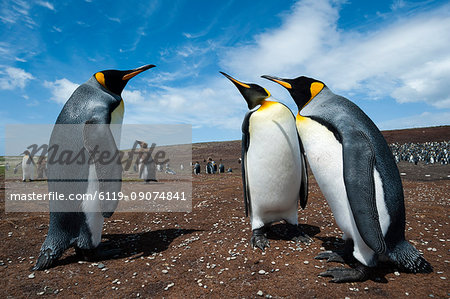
<point>61,89</point>
<point>425,119</point>
<point>46,4</point>
<point>213,104</point>
<point>117,20</point>
<point>133,97</point>
<point>12,78</point>
<point>407,59</point>
<point>16,11</point>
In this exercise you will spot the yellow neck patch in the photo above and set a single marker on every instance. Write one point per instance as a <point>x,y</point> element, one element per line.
<point>300,118</point>
<point>315,88</point>
<point>266,104</point>
<point>100,78</point>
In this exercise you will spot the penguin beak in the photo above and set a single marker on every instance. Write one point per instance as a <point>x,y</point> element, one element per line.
<point>278,80</point>
<point>132,73</point>
<point>236,82</point>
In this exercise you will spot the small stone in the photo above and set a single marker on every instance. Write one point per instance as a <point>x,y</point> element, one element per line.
<point>31,276</point>
<point>306,262</point>
<point>40,293</point>
<point>260,293</point>
<point>261,272</point>
<point>396,273</point>
<point>101,266</point>
<point>165,271</point>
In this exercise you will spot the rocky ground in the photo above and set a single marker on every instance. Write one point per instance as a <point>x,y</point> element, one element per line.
<point>206,253</point>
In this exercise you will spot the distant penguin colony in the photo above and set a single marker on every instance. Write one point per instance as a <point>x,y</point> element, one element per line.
<point>273,168</point>
<point>357,174</point>
<point>427,153</point>
<point>92,107</point>
<point>354,166</point>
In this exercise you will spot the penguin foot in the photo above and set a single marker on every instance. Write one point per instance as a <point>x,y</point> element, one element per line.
<point>260,241</point>
<point>360,273</point>
<point>44,261</point>
<point>330,256</point>
<point>259,238</point>
<point>298,234</point>
<point>303,238</point>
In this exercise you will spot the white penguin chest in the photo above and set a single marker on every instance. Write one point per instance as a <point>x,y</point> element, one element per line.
<point>324,154</point>
<point>325,157</point>
<point>273,164</point>
<point>27,165</point>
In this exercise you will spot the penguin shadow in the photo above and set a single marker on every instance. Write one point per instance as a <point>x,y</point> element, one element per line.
<point>135,245</point>
<point>377,274</point>
<point>283,231</point>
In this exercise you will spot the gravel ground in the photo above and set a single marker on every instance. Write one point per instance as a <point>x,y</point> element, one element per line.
<point>206,253</point>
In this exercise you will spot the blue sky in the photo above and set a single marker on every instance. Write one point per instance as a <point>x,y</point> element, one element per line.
<point>391,58</point>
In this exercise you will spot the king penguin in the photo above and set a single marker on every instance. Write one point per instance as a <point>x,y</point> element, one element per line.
<point>83,129</point>
<point>357,174</point>
<point>28,166</point>
<point>273,166</point>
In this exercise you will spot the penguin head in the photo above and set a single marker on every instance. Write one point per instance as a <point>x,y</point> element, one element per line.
<point>115,80</point>
<point>302,89</point>
<point>26,153</point>
<point>253,94</point>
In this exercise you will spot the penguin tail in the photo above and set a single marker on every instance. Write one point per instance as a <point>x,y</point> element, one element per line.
<point>409,259</point>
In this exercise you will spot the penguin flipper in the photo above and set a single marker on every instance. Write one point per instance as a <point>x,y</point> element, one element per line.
<point>304,183</point>
<point>245,145</point>
<point>98,140</point>
<point>359,161</point>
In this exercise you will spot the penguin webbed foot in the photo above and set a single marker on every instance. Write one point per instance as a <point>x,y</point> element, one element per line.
<point>44,261</point>
<point>331,256</point>
<point>259,238</point>
<point>340,274</point>
<point>298,235</point>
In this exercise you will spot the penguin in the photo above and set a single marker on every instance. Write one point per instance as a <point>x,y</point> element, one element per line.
<point>358,176</point>
<point>88,124</point>
<point>221,167</point>
<point>28,166</point>
<point>273,166</point>
<point>147,168</point>
<point>197,168</point>
<point>41,168</point>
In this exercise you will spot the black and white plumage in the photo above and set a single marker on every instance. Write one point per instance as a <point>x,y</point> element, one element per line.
<point>357,174</point>
<point>273,168</point>
<point>84,129</point>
